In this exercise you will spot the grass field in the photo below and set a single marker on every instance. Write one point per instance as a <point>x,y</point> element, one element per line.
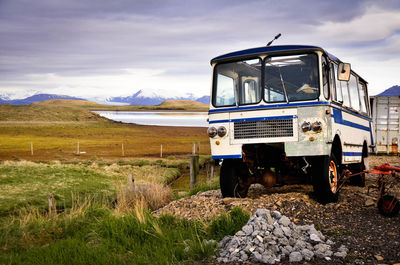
<point>54,129</point>
<point>96,218</point>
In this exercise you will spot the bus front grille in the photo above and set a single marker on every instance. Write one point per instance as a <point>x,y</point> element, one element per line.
<point>263,129</point>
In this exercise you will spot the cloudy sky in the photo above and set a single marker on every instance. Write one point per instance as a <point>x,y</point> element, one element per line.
<point>104,48</point>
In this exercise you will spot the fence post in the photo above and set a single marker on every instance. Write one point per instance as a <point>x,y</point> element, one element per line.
<point>123,152</point>
<point>52,205</point>
<point>77,149</point>
<point>131,182</point>
<point>211,171</point>
<point>193,149</point>
<point>161,151</point>
<point>194,170</point>
<point>31,149</point>
<point>198,147</point>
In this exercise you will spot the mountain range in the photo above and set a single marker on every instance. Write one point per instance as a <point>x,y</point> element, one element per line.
<point>35,98</point>
<point>392,91</point>
<point>138,98</point>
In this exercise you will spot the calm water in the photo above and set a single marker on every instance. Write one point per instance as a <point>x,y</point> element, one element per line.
<point>186,119</point>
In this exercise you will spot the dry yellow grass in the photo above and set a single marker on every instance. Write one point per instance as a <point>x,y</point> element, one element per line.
<point>185,104</point>
<point>149,196</point>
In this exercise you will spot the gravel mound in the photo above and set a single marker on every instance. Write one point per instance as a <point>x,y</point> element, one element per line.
<point>269,237</point>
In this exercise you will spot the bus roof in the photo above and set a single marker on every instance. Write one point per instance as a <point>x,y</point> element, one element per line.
<point>271,49</point>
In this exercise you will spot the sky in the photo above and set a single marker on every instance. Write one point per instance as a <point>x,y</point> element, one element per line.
<point>104,48</point>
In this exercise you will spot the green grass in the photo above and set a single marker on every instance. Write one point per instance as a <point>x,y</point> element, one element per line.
<point>94,235</point>
<point>228,224</point>
<point>213,185</point>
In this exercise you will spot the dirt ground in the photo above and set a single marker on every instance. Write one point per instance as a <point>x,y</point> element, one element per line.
<point>353,221</point>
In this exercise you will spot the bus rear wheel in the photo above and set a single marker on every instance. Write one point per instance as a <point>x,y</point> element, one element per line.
<point>231,172</point>
<point>326,179</point>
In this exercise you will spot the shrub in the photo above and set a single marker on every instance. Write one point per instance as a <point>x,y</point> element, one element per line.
<point>227,224</point>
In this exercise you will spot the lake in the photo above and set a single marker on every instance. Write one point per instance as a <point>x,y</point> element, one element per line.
<point>161,118</point>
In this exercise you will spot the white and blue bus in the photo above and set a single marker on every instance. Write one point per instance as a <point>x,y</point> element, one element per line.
<point>288,110</point>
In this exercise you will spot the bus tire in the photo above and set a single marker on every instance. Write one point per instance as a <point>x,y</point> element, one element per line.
<point>326,179</point>
<point>230,173</point>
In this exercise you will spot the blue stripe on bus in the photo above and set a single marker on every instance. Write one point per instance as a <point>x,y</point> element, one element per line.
<point>218,121</point>
<point>227,156</point>
<point>256,119</point>
<point>370,133</point>
<point>272,106</point>
<point>338,118</point>
<point>315,103</point>
<point>352,153</point>
<point>351,112</point>
<point>265,118</point>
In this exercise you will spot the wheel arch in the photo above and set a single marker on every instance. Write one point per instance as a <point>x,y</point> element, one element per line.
<point>365,149</point>
<point>337,148</point>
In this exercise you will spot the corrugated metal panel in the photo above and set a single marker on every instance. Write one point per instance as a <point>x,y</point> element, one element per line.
<point>386,116</point>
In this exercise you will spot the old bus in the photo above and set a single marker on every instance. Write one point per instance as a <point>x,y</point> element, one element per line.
<point>279,111</point>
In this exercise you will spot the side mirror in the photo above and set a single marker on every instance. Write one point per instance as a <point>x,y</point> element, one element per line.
<point>344,70</point>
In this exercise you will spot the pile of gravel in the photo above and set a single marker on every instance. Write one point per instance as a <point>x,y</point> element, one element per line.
<point>269,237</point>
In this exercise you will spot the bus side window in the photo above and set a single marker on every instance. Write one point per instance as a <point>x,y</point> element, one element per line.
<point>353,89</point>
<point>363,99</point>
<point>336,84</point>
<point>345,93</point>
<point>325,77</point>
<point>341,87</point>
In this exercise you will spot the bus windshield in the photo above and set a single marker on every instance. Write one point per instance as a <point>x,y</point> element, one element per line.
<point>237,83</point>
<point>286,78</point>
<point>291,78</point>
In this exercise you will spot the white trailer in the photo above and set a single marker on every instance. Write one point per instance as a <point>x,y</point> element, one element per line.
<point>386,118</point>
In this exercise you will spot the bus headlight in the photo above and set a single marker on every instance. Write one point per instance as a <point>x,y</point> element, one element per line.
<point>306,126</point>
<point>316,126</point>
<point>221,131</point>
<point>212,132</point>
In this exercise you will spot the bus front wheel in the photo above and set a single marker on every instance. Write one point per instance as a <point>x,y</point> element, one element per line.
<point>326,179</point>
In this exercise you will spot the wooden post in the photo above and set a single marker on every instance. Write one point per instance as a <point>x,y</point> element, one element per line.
<point>52,205</point>
<point>123,152</point>
<point>194,170</point>
<point>211,171</point>
<point>198,147</point>
<point>77,148</point>
<point>161,151</point>
<point>193,149</point>
<point>131,182</point>
<point>31,149</point>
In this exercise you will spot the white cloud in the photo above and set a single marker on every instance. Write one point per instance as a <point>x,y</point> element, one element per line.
<point>119,47</point>
<point>126,83</point>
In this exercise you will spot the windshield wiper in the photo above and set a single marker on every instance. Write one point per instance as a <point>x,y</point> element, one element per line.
<point>283,85</point>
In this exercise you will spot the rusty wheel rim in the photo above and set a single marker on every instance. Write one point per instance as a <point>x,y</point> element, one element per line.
<point>333,177</point>
<point>388,205</point>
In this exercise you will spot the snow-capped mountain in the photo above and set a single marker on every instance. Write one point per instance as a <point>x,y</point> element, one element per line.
<point>34,98</point>
<point>154,98</point>
<point>138,98</point>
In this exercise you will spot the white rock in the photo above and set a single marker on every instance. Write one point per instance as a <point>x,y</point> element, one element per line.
<point>295,257</point>
<point>315,238</point>
<point>307,254</point>
<point>276,214</point>
<point>284,221</point>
